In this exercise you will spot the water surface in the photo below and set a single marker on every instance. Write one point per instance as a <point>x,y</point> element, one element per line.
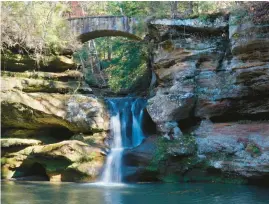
<point>73,193</point>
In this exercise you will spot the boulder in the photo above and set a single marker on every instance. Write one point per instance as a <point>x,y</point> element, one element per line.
<point>77,113</point>
<point>170,130</point>
<point>96,139</point>
<point>236,147</point>
<point>136,161</point>
<point>156,156</point>
<point>65,161</point>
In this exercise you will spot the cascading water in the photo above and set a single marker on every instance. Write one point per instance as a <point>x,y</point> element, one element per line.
<point>126,130</point>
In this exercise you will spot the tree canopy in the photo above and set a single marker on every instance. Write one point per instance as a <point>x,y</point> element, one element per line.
<point>154,8</point>
<point>36,28</point>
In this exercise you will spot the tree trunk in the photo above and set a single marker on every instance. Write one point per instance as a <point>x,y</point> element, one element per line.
<point>109,50</point>
<point>173,5</point>
<point>190,9</point>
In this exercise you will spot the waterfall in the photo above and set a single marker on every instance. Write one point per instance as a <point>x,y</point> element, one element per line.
<point>126,130</point>
<point>137,115</point>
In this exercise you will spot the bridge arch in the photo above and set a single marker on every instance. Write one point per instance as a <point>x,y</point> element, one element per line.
<point>106,33</point>
<point>92,27</point>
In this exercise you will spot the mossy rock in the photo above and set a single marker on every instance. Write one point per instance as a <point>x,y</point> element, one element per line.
<point>168,45</point>
<point>203,175</point>
<point>62,76</point>
<point>45,135</point>
<point>19,62</point>
<point>76,112</point>
<point>171,178</point>
<point>184,147</point>
<point>16,62</point>
<point>96,139</point>
<point>71,160</point>
<point>11,142</point>
<point>43,85</point>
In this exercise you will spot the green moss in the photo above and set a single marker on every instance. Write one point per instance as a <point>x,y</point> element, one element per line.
<point>55,165</point>
<point>12,142</point>
<point>88,158</point>
<point>236,35</point>
<point>214,179</point>
<point>171,178</point>
<point>168,45</point>
<point>18,173</point>
<point>3,160</point>
<point>189,161</point>
<point>253,149</point>
<point>229,180</point>
<point>159,155</point>
<point>18,62</point>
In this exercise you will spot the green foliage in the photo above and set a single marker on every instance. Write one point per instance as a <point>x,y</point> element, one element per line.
<point>256,12</point>
<point>127,8</point>
<point>128,62</point>
<point>36,28</point>
<point>81,56</point>
<point>157,9</point>
<point>240,14</point>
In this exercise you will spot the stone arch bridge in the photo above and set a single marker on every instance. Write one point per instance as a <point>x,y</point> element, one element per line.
<point>92,27</point>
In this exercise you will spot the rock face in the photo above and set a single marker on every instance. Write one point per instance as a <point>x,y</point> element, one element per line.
<point>40,85</point>
<point>51,118</point>
<point>53,127</point>
<point>200,76</point>
<point>216,74</point>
